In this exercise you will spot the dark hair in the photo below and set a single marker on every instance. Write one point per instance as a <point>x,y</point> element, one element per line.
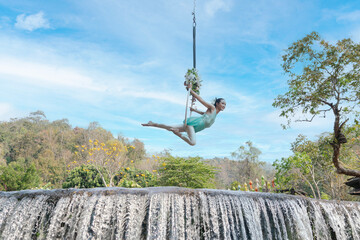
<point>217,100</point>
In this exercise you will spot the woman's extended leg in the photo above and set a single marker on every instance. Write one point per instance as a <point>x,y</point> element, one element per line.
<point>177,129</point>
<point>180,128</point>
<point>191,136</point>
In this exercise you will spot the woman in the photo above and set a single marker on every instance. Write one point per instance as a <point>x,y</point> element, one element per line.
<point>194,124</point>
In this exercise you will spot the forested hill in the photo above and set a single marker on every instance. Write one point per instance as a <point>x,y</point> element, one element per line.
<point>36,151</point>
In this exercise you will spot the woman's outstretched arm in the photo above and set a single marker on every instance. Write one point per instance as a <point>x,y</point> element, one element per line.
<point>197,111</point>
<point>202,101</point>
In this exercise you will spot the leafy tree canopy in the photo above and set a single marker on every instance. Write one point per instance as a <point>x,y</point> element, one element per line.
<point>189,172</point>
<point>324,78</point>
<point>248,156</point>
<point>310,168</point>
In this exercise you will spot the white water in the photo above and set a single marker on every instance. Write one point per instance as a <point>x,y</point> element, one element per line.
<point>173,213</point>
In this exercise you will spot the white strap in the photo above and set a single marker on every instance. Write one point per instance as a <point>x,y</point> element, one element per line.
<point>187,104</point>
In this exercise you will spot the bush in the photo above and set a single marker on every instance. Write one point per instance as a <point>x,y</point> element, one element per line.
<point>191,172</point>
<point>136,178</point>
<point>17,176</point>
<point>84,176</point>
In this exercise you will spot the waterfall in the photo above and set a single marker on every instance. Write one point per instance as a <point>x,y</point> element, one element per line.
<point>173,213</point>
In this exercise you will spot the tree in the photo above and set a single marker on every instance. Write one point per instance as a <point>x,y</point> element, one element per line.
<point>310,168</point>
<point>17,176</point>
<point>323,78</point>
<point>50,146</point>
<point>298,167</point>
<point>108,158</point>
<point>227,171</point>
<point>189,172</point>
<point>137,152</point>
<point>248,155</point>
<point>35,139</point>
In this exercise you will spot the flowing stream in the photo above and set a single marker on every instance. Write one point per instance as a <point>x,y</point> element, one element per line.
<point>173,213</point>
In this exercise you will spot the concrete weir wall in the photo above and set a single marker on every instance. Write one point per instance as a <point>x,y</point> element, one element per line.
<point>173,213</point>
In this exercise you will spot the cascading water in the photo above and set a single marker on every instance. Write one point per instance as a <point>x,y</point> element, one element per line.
<point>173,213</point>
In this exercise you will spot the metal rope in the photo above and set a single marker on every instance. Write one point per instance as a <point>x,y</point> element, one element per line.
<point>194,65</point>
<point>194,35</point>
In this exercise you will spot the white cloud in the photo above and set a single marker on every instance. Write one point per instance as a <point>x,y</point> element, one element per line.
<point>46,75</point>
<point>349,16</point>
<point>32,22</point>
<point>214,6</point>
<point>55,75</point>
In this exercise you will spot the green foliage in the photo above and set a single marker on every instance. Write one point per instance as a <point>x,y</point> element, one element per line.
<point>50,170</point>
<point>38,141</point>
<point>248,156</point>
<point>325,196</point>
<point>301,170</point>
<point>192,76</point>
<point>84,176</point>
<point>235,185</point>
<point>17,176</point>
<point>262,185</point>
<point>50,146</point>
<point>136,150</point>
<point>321,76</point>
<point>107,158</point>
<point>132,177</point>
<point>289,171</point>
<point>128,183</point>
<point>190,172</point>
<point>35,153</point>
<point>310,168</point>
<point>234,170</point>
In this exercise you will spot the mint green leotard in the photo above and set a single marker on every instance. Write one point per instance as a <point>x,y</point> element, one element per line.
<point>200,123</point>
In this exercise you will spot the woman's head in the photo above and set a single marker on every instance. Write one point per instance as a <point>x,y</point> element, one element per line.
<point>220,103</point>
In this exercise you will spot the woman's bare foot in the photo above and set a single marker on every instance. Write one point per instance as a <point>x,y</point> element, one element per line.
<point>149,124</point>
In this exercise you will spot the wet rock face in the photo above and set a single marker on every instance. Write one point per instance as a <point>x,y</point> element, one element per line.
<point>173,213</point>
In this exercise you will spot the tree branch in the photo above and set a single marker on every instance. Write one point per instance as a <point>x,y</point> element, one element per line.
<point>325,102</point>
<point>312,55</point>
<point>306,120</point>
<point>312,118</point>
<point>343,124</point>
<point>326,110</point>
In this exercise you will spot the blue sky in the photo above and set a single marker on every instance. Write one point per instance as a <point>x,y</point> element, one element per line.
<point>122,63</point>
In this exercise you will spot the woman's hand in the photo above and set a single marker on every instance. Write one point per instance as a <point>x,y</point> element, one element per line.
<point>195,110</point>
<point>188,86</point>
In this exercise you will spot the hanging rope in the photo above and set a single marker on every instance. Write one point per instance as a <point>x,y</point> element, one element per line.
<point>194,49</point>
<point>194,36</point>
<point>194,65</point>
